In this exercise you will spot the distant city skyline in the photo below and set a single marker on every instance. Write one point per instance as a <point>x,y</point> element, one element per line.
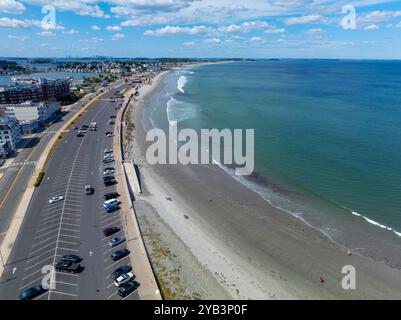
<point>201,28</point>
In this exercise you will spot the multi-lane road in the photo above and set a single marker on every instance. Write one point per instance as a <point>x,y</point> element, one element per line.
<point>72,226</point>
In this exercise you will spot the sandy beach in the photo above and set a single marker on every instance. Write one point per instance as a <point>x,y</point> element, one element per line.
<point>230,243</point>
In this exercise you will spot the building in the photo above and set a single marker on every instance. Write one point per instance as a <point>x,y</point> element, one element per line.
<point>40,112</point>
<point>5,149</point>
<point>29,126</point>
<point>36,91</point>
<point>10,131</point>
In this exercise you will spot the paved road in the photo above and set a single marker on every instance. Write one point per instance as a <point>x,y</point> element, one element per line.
<point>73,226</point>
<point>17,176</point>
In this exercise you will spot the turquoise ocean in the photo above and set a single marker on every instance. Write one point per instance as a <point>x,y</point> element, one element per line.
<point>327,139</point>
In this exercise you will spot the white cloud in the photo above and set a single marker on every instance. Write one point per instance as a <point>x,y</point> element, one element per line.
<point>15,23</point>
<point>11,6</point>
<point>113,28</point>
<point>275,30</point>
<point>314,18</point>
<point>20,38</point>
<point>188,43</point>
<point>378,16</point>
<point>70,32</point>
<point>95,40</point>
<point>95,28</point>
<point>171,30</point>
<point>212,40</point>
<point>315,32</point>
<point>80,7</point>
<point>256,40</point>
<point>46,34</point>
<point>117,36</point>
<point>372,27</point>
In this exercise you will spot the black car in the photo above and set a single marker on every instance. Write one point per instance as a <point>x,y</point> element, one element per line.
<point>111,195</point>
<point>31,293</point>
<point>107,178</point>
<point>110,182</point>
<point>120,271</point>
<point>112,117</point>
<point>71,257</point>
<point>128,288</point>
<point>110,231</point>
<point>68,266</point>
<point>119,254</point>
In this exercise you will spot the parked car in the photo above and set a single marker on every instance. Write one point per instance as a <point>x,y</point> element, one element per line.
<point>106,151</point>
<point>68,266</point>
<point>108,172</point>
<point>2,161</point>
<point>31,293</point>
<point>56,199</point>
<point>120,271</point>
<point>112,117</point>
<point>111,195</point>
<point>110,182</point>
<point>113,208</point>
<point>110,231</point>
<point>71,257</point>
<point>119,254</point>
<point>108,160</point>
<point>109,177</point>
<point>89,189</point>
<point>108,132</point>
<point>116,241</point>
<point>123,279</point>
<point>128,288</point>
<point>111,202</point>
<point>109,135</point>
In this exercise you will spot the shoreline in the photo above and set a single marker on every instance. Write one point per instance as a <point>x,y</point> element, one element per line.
<point>283,257</point>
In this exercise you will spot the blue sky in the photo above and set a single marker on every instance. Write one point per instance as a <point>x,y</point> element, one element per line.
<point>201,28</point>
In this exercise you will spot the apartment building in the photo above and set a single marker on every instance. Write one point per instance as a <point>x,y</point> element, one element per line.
<point>10,131</point>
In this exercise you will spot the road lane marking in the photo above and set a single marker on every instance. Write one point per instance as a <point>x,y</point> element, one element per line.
<point>62,293</point>
<point>67,283</point>
<point>45,234</point>
<point>36,264</point>
<point>50,244</point>
<point>40,242</point>
<point>28,284</point>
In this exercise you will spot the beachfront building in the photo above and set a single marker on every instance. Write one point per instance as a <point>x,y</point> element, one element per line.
<point>10,131</point>
<point>29,111</point>
<point>36,91</point>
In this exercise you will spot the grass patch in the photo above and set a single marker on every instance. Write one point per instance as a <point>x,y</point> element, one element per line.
<point>39,179</point>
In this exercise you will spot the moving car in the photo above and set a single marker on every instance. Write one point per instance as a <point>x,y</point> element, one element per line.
<point>31,293</point>
<point>110,231</point>
<point>111,202</point>
<point>120,271</point>
<point>89,189</point>
<point>128,288</point>
<point>119,254</point>
<point>71,257</point>
<point>123,279</point>
<point>81,133</point>
<point>116,241</point>
<point>111,195</point>
<point>68,266</point>
<point>56,199</point>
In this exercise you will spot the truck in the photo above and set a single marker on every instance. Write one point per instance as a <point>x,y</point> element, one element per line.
<point>93,126</point>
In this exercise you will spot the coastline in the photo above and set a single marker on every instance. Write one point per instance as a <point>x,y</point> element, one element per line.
<point>254,250</point>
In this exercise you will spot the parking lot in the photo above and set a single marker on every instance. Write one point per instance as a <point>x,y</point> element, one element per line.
<point>73,225</point>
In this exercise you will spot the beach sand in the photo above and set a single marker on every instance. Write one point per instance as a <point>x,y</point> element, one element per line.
<point>230,243</point>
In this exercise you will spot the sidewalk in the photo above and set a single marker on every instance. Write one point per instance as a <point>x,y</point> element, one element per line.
<point>148,289</point>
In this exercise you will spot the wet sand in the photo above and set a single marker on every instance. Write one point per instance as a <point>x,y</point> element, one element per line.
<point>252,249</point>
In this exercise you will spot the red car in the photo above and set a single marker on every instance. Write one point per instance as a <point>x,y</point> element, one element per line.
<point>110,231</point>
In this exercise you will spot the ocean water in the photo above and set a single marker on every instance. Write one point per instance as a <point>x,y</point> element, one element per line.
<point>327,139</point>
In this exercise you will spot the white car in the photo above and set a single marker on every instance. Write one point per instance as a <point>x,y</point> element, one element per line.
<point>56,199</point>
<point>107,172</point>
<point>107,156</point>
<point>111,202</point>
<point>123,279</point>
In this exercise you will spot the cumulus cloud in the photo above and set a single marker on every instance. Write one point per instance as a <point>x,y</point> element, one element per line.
<point>188,43</point>
<point>313,18</point>
<point>212,40</point>
<point>172,30</point>
<point>20,38</point>
<point>70,32</point>
<point>11,6</point>
<point>113,28</point>
<point>275,30</point>
<point>46,34</point>
<point>118,36</point>
<point>372,27</point>
<point>95,28</point>
<point>315,32</point>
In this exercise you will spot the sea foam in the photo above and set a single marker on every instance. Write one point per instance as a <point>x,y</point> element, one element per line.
<point>182,81</point>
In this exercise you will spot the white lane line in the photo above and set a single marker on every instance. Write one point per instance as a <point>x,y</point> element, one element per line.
<point>65,235</point>
<point>45,234</point>
<point>35,257</point>
<point>70,230</point>
<point>47,228</point>
<point>115,262</point>
<point>67,274</point>
<point>67,283</point>
<point>62,293</point>
<point>110,296</point>
<point>52,217</point>
<point>110,285</point>
<point>30,275</point>
<point>68,249</point>
<point>36,264</point>
<point>47,222</point>
<point>72,224</point>
<point>49,244</point>
<point>29,283</point>
<point>41,296</point>
<point>40,242</point>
